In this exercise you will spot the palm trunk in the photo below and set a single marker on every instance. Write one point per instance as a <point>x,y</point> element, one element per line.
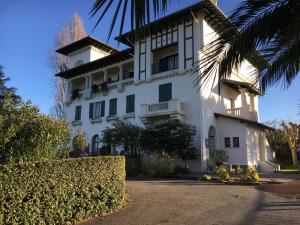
<point>294,157</point>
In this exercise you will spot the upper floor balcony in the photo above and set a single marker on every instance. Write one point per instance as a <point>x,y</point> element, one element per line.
<point>170,63</point>
<point>243,112</point>
<point>98,82</point>
<point>162,110</point>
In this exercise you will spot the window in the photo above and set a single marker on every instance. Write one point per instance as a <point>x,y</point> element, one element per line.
<point>227,142</point>
<point>130,103</point>
<point>165,92</point>
<point>78,112</point>
<point>113,107</point>
<point>97,110</point>
<point>236,142</point>
<point>96,143</point>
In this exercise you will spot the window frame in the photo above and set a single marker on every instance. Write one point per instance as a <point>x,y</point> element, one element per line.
<point>78,110</point>
<point>166,98</point>
<point>226,143</point>
<point>236,144</point>
<point>111,111</point>
<point>130,106</point>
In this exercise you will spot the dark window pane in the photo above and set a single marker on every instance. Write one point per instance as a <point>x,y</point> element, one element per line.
<point>78,112</point>
<point>165,92</point>
<point>236,142</point>
<point>113,107</point>
<point>102,108</point>
<point>91,111</point>
<point>130,103</point>
<point>227,142</point>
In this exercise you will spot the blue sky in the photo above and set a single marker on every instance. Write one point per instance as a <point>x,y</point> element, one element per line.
<point>28,28</point>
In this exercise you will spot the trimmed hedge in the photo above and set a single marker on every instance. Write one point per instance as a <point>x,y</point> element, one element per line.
<point>61,192</point>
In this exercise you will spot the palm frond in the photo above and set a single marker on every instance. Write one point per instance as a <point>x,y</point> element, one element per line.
<point>259,24</point>
<point>139,11</point>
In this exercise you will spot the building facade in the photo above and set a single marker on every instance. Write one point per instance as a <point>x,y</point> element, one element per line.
<point>155,80</point>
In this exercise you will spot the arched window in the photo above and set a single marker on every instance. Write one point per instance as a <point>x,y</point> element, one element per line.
<point>96,143</point>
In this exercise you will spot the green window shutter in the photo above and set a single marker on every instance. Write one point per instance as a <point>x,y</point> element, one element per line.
<point>102,108</point>
<point>91,111</point>
<point>130,103</point>
<point>78,112</point>
<point>165,92</point>
<point>113,107</point>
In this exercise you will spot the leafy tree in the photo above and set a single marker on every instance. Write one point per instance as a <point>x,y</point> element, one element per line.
<point>70,32</point>
<point>278,142</point>
<point>126,136</point>
<point>175,139</point>
<point>220,157</point>
<point>292,133</point>
<point>26,135</point>
<point>4,89</point>
<point>80,141</point>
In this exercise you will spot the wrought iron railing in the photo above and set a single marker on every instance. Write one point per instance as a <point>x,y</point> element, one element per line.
<point>165,65</point>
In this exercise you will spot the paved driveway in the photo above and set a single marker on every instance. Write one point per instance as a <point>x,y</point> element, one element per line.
<point>192,202</point>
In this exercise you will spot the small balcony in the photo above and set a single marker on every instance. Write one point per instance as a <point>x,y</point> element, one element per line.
<point>172,108</point>
<point>164,65</point>
<point>243,112</point>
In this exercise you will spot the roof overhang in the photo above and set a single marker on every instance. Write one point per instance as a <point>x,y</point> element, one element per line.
<point>239,84</point>
<point>97,64</point>
<point>84,42</point>
<point>242,120</point>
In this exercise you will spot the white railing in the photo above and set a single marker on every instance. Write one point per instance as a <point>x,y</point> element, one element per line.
<point>169,107</point>
<point>234,112</point>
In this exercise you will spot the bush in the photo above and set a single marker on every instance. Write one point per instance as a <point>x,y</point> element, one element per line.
<point>223,173</point>
<point>220,157</point>
<point>250,175</point>
<point>181,170</point>
<point>157,167</point>
<point>206,177</point>
<point>238,170</point>
<point>80,141</point>
<point>61,192</point>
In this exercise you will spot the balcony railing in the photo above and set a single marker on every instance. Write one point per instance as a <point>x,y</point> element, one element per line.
<point>243,112</point>
<point>165,65</point>
<point>162,108</point>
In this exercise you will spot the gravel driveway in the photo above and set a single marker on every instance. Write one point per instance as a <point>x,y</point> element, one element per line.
<point>193,202</point>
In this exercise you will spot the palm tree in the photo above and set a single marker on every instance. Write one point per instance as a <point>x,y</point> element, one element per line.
<point>270,26</point>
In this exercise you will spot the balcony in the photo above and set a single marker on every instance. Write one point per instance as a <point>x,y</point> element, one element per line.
<point>164,110</point>
<point>243,112</point>
<point>165,65</point>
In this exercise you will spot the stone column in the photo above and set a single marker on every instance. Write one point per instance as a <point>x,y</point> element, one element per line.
<point>88,87</point>
<point>121,77</point>
<point>244,109</point>
<point>68,88</point>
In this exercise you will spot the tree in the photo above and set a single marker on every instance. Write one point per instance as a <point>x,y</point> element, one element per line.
<point>4,89</point>
<point>278,142</point>
<point>70,32</point>
<point>173,139</point>
<point>292,133</point>
<point>261,24</point>
<point>126,136</point>
<point>80,143</point>
<point>26,135</point>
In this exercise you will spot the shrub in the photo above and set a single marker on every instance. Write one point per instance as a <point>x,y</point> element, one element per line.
<point>206,177</point>
<point>61,192</point>
<point>157,167</point>
<point>223,173</point>
<point>79,141</point>
<point>220,157</point>
<point>178,170</point>
<point>26,135</point>
<point>238,170</point>
<point>250,175</point>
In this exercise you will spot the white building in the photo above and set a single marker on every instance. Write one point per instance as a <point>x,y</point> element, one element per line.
<point>153,81</point>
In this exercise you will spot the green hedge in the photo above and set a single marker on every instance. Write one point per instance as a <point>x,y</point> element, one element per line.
<point>61,192</point>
